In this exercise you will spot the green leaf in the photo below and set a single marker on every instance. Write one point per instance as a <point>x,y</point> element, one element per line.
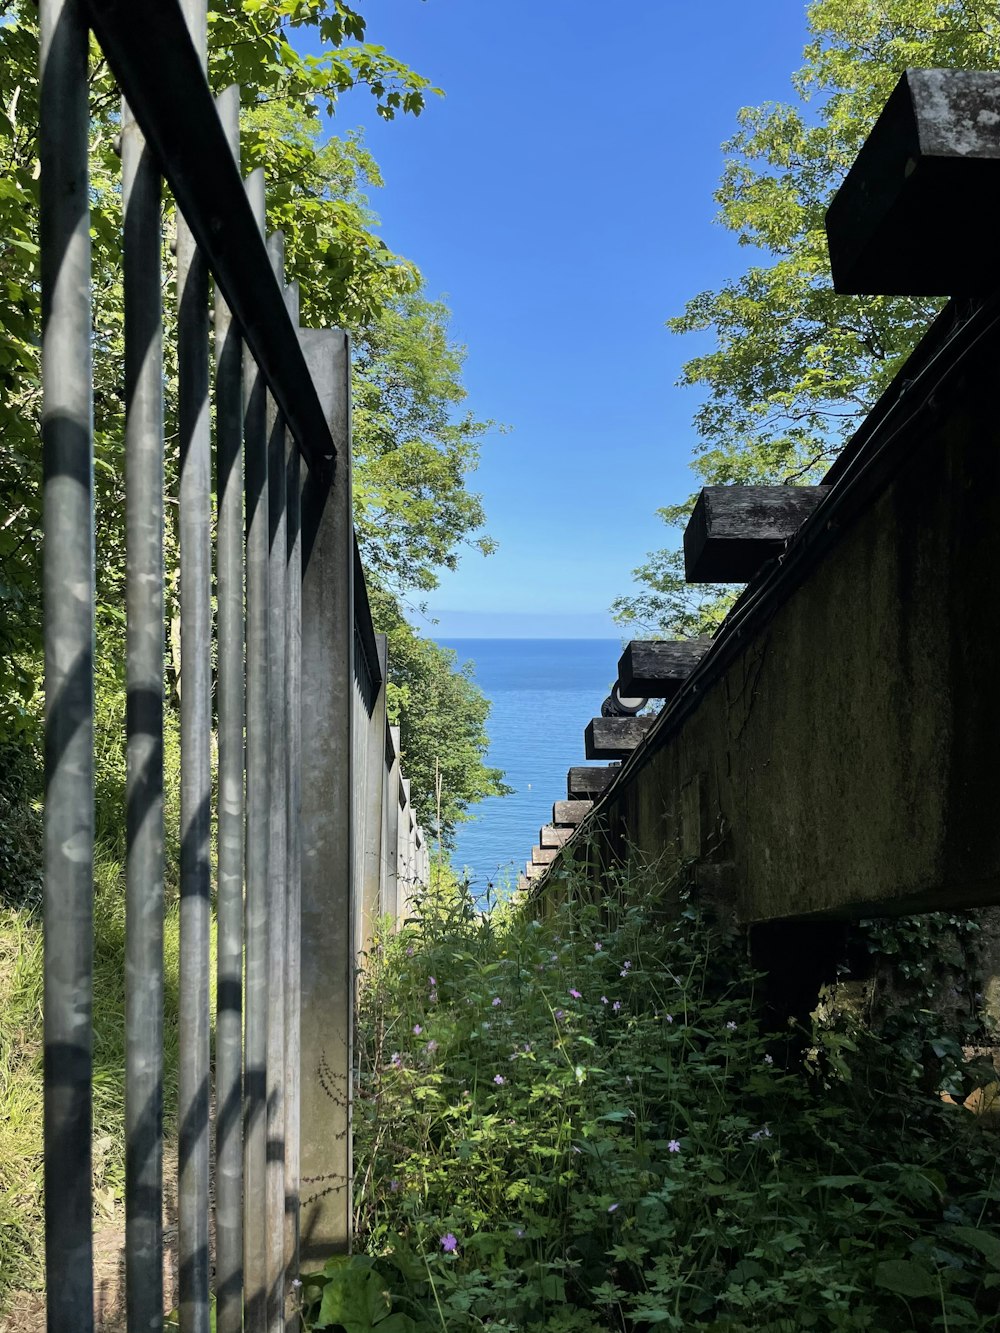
<point>985,1242</point>
<point>905,1278</point>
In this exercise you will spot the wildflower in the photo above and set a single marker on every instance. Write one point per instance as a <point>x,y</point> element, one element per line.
<point>627,964</point>
<point>431,1047</point>
<point>495,1001</point>
<point>575,993</point>
<point>397,1060</point>
<point>393,1186</point>
<point>628,1080</point>
<point>409,952</point>
<point>668,1018</point>
<point>417,1029</point>
<point>730,1026</point>
<point>769,1059</point>
<point>519,1232</point>
<point>598,946</point>
<point>604,999</point>
<point>674,1145</point>
<point>449,1243</point>
<point>613,1207</point>
<point>560,1015</point>
<point>762,1133</point>
<point>296,1283</point>
<point>499,1080</point>
<point>432,982</point>
<point>617,1005</point>
<point>433,997</point>
<point>527,1048</point>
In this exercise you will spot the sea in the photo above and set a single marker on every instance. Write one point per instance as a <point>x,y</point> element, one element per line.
<point>542,694</point>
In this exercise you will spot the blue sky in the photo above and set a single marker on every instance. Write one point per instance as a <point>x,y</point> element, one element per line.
<point>560,198</point>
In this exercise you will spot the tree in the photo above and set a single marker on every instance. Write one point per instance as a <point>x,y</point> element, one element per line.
<point>795,366</point>
<point>441,714</point>
<point>413,451</point>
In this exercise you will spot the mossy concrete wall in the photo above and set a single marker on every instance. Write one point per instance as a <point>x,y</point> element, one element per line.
<point>846,762</point>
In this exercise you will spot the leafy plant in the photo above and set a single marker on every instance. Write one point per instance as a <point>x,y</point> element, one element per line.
<point>581,1123</point>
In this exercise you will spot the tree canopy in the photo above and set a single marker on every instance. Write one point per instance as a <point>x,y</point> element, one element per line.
<point>414,446</point>
<point>795,367</point>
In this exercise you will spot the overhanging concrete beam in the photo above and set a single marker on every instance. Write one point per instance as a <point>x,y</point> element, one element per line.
<point>585,783</point>
<point>733,530</point>
<point>571,813</point>
<point>550,836</point>
<point>656,668</point>
<point>614,737</point>
<point>916,214</point>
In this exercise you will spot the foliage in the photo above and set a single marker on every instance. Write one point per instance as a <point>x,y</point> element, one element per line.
<point>442,716</point>
<point>795,367</point>
<point>414,450</point>
<point>580,1123</point>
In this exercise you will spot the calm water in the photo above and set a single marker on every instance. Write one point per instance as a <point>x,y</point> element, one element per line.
<point>543,694</point>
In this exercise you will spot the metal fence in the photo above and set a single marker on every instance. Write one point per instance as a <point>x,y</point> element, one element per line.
<point>313,839</point>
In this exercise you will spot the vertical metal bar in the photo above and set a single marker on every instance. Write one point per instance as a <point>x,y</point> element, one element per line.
<point>67,436</point>
<point>277,867</point>
<point>374,789</point>
<point>393,902</point>
<point>327,931</point>
<point>229,898</point>
<point>141,247</point>
<point>293,901</point>
<point>258,835</point>
<point>196,772</point>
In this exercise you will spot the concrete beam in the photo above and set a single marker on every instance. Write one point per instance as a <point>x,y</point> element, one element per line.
<point>614,737</point>
<point>544,856</point>
<point>657,668</point>
<point>571,813</point>
<point>913,216</point>
<point>550,836</point>
<point>733,530</point>
<point>584,783</point>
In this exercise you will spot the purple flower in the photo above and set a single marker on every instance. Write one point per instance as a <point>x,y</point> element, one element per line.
<point>495,1001</point>
<point>674,1145</point>
<point>613,1207</point>
<point>730,1026</point>
<point>397,1060</point>
<point>499,1080</point>
<point>604,999</point>
<point>432,982</point>
<point>617,1005</point>
<point>769,1059</point>
<point>431,1047</point>
<point>560,1015</point>
<point>762,1133</point>
<point>527,1049</point>
<point>668,1018</point>
<point>575,993</point>
<point>449,1243</point>
<point>409,951</point>
<point>519,1232</point>
<point>626,965</point>
<point>417,1029</point>
<point>393,1186</point>
<point>598,946</point>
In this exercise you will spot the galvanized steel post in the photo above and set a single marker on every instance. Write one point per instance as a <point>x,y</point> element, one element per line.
<point>229,896</point>
<point>327,930</point>
<point>67,438</point>
<point>258,835</point>
<point>141,280</point>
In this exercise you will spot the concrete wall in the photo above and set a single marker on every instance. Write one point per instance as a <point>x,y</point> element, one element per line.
<point>844,761</point>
